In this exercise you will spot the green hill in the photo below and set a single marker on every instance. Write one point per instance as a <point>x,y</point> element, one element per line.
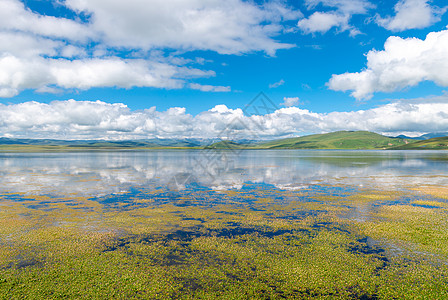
<point>226,145</point>
<point>439,143</point>
<point>335,140</point>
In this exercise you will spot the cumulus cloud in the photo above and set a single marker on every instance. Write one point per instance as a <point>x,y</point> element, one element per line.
<point>16,18</point>
<point>322,22</point>
<point>402,63</point>
<point>17,74</point>
<point>228,27</point>
<point>89,120</point>
<point>290,101</point>
<point>410,14</point>
<point>47,53</point>
<point>339,18</point>
<point>99,120</point>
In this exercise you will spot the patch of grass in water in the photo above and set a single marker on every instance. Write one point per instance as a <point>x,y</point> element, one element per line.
<point>225,250</point>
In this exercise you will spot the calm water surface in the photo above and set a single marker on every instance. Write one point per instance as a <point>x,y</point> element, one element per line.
<point>96,174</point>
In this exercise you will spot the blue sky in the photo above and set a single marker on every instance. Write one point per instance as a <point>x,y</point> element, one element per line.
<point>312,58</point>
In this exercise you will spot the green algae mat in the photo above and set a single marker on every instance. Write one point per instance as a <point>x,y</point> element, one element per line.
<point>113,234</point>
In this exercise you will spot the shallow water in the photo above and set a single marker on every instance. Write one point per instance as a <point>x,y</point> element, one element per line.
<point>106,173</point>
<point>224,224</point>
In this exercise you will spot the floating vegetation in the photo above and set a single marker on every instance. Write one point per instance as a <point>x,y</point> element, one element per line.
<point>251,243</point>
<point>260,239</point>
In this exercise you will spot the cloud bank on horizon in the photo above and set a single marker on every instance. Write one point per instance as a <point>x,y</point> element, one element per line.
<point>62,46</point>
<point>100,120</point>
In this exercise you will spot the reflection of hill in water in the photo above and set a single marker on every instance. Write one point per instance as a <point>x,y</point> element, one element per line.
<point>369,158</point>
<point>103,173</point>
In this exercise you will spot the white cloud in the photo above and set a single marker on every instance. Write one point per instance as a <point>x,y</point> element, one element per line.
<point>322,22</point>
<point>49,53</point>
<point>339,18</point>
<point>350,7</point>
<point>99,120</point>
<point>209,88</point>
<point>229,27</point>
<point>15,17</point>
<point>290,101</point>
<point>410,14</point>
<point>277,84</point>
<point>27,45</point>
<point>89,120</point>
<point>402,63</point>
<point>17,74</point>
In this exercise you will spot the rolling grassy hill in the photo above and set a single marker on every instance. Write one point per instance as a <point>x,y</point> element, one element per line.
<point>335,140</point>
<point>439,143</point>
<point>227,145</point>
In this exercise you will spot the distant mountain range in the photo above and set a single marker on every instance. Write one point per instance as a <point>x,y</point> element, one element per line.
<point>333,140</point>
<point>149,143</point>
<point>425,136</point>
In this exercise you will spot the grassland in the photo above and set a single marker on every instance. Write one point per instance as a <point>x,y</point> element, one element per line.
<point>336,140</point>
<point>440,143</point>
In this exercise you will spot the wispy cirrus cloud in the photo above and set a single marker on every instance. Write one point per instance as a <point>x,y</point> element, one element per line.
<point>209,88</point>
<point>277,84</point>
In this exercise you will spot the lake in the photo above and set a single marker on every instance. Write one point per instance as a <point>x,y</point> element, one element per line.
<point>236,224</point>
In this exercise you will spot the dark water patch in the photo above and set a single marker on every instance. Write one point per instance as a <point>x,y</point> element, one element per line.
<point>425,205</point>
<point>350,293</point>
<point>298,215</point>
<point>366,246</point>
<point>27,263</point>
<point>183,235</point>
<point>405,199</point>
<point>239,231</point>
<point>17,197</point>
<point>231,213</point>
<point>41,207</point>
<point>363,247</point>
<point>234,230</point>
<point>23,262</point>
<point>258,186</point>
<point>361,295</point>
<point>193,219</point>
<point>333,191</point>
<point>230,223</point>
<point>330,227</point>
<point>170,260</point>
<point>195,195</point>
<point>189,284</point>
<point>252,208</point>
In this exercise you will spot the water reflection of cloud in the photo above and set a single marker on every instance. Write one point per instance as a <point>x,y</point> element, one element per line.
<point>96,174</point>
